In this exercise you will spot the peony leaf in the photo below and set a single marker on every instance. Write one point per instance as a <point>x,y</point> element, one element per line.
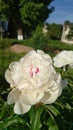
<point>52,124</point>
<point>52,109</point>
<point>36,123</point>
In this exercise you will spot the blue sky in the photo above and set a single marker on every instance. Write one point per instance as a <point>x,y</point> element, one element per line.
<point>63,11</point>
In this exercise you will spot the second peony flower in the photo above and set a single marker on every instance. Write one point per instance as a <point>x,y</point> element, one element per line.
<point>32,79</point>
<point>64,58</point>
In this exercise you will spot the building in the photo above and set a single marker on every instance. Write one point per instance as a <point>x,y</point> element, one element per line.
<point>66,30</point>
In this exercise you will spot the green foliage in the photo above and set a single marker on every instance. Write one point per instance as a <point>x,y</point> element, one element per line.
<point>38,39</point>
<point>32,16</point>
<point>35,118</point>
<point>5,43</point>
<point>31,11</point>
<point>25,15</point>
<point>55,31</point>
<point>3,8</point>
<point>56,116</point>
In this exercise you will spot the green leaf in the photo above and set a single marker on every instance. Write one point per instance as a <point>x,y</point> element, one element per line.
<point>11,121</point>
<point>3,110</point>
<point>53,109</point>
<point>68,106</point>
<point>60,104</point>
<point>7,123</point>
<point>52,124</point>
<point>36,123</point>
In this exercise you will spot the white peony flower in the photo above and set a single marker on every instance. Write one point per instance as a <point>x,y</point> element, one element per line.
<point>63,58</point>
<point>33,80</point>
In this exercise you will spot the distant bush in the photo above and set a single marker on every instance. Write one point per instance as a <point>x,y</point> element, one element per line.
<point>55,31</point>
<point>38,39</point>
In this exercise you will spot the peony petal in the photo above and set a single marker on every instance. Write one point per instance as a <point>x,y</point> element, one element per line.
<point>11,65</point>
<point>28,97</point>
<point>45,56</point>
<point>54,91</point>
<point>8,77</point>
<point>51,96</point>
<point>71,65</point>
<point>16,71</point>
<point>13,96</point>
<point>45,97</point>
<point>39,97</point>
<point>31,97</point>
<point>63,58</point>
<point>27,56</point>
<point>21,108</point>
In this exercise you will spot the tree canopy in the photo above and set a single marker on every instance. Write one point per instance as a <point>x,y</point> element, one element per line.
<point>25,14</point>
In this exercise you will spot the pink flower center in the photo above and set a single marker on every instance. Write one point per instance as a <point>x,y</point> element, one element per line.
<point>33,71</point>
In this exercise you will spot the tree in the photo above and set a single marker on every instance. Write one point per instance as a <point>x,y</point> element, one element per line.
<point>25,14</point>
<point>67,22</point>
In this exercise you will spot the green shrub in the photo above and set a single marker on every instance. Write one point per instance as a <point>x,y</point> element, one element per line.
<point>38,39</point>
